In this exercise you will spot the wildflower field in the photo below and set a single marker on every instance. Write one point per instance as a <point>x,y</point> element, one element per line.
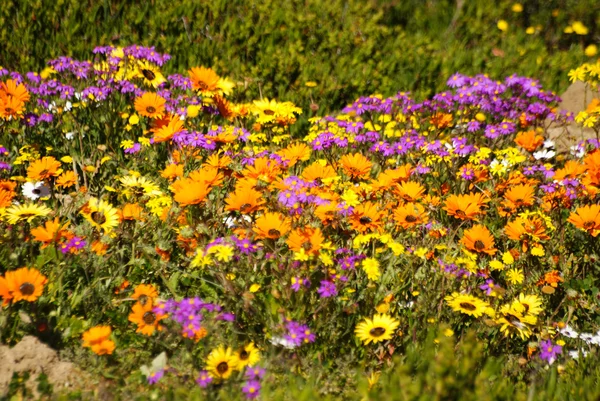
<point>187,219</point>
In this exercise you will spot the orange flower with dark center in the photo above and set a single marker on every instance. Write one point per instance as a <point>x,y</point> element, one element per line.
<point>210,175</point>
<point>310,239</point>
<point>66,179</point>
<point>410,215</point>
<point>316,172</point>
<point>410,191</point>
<point>365,217</point>
<point>465,207</point>
<point>271,225</point>
<point>530,229</point>
<point>263,169</point>
<point>43,169</point>
<point>326,213</point>
<point>245,201</point>
<point>145,318</point>
<point>518,196</point>
<point>11,107</point>
<point>51,232</point>
<point>166,127</point>
<point>150,105</point>
<point>145,293</point>
<point>479,239</point>
<point>356,165</point>
<point>586,218</point>
<point>25,284</point>
<point>529,140</point>
<point>204,80</point>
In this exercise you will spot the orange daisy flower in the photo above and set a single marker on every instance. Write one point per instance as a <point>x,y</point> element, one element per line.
<point>465,207</point>
<point>316,172</point>
<point>310,239</point>
<point>410,215</point>
<point>66,179</point>
<point>294,153</point>
<point>518,196</point>
<point>244,200</point>
<point>189,192</point>
<point>326,213</point>
<point>225,108</point>
<point>586,218</point>
<point>145,293</point>
<point>172,171</point>
<point>25,284</point>
<point>166,127</point>
<point>11,107</point>
<point>11,88</point>
<point>204,80</point>
<point>150,105</point>
<point>145,318</point>
<point>271,225</point>
<point>43,169</point>
<point>529,140</point>
<point>356,165</point>
<point>531,229</point>
<point>51,232</point>
<point>96,338</point>
<point>479,239</point>
<point>365,217</point>
<point>410,191</point>
<point>130,211</point>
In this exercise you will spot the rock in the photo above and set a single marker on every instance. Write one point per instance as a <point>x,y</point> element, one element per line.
<point>33,356</point>
<point>575,99</point>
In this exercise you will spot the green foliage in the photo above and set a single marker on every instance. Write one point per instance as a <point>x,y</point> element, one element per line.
<point>350,48</point>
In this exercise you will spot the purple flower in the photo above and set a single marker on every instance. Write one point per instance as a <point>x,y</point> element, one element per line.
<point>549,351</point>
<point>203,379</point>
<point>255,372</point>
<point>156,376</point>
<point>327,289</point>
<point>251,389</point>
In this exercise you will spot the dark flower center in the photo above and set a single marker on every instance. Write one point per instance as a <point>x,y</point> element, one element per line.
<point>98,218</point>
<point>245,208</point>
<point>411,219</point>
<point>467,306</point>
<point>36,191</point>
<point>269,112</point>
<point>27,289</point>
<point>274,233</point>
<point>479,245</point>
<point>244,355</point>
<point>149,318</point>
<point>148,74</point>
<point>377,331</point>
<point>222,367</point>
<point>143,299</point>
<point>150,109</point>
<point>460,213</point>
<point>307,246</point>
<point>588,224</point>
<point>365,220</point>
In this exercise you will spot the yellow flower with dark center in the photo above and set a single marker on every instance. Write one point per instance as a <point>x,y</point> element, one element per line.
<point>467,304</point>
<point>221,363</point>
<point>28,212</point>
<point>150,74</point>
<point>101,215</point>
<point>247,356</point>
<point>380,328</point>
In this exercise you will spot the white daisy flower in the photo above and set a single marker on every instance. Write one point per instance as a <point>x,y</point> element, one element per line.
<point>544,154</point>
<point>35,190</point>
